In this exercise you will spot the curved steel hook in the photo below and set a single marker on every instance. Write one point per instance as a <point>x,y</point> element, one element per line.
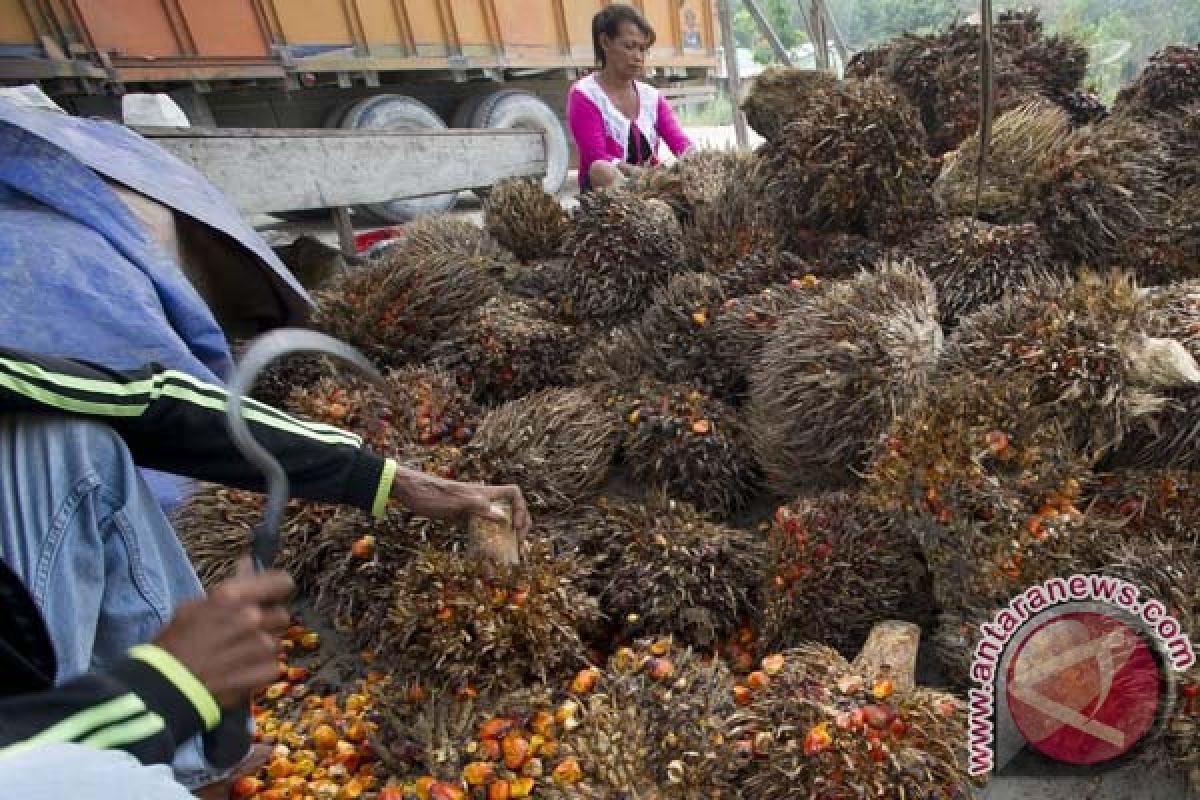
<point>262,351</point>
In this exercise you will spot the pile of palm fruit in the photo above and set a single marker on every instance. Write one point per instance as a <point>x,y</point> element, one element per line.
<point>761,403</point>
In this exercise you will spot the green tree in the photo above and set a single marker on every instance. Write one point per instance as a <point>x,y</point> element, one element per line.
<point>784,18</point>
<point>867,22</point>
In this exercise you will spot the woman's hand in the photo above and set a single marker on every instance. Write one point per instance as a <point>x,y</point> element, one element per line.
<point>438,498</point>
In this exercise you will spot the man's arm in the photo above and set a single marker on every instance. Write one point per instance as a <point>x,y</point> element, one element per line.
<point>174,422</point>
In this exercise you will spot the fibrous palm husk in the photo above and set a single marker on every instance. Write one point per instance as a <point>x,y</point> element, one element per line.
<point>216,527</point>
<point>803,734</point>
<point>973,264</point>
<point>420,406</point>
<point>622,248</point>
<point>556,444</point>
<point>523,218</point>
<point>779,95</point>
<point>661,566</point>
<point>1168,83</point>
<point>507,348</point>
<point>853,162</point>
<point>692,446</point>
<point>395,309</point>
<point>835,373</point>
<point>838,566</point>
<point>461,621</point>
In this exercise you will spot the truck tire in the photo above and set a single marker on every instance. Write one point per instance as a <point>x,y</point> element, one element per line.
<point>397,112</point>
<point>516,109</point>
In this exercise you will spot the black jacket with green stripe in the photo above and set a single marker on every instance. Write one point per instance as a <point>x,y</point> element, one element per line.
<point>149,703</point>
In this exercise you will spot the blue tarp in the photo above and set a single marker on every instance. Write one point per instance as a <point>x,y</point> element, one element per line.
<point>81,277</point>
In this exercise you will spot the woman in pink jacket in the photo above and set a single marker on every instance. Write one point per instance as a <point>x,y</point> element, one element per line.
<point>616,120</point>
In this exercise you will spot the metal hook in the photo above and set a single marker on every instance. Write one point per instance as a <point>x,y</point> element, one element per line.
<point>262,351</point>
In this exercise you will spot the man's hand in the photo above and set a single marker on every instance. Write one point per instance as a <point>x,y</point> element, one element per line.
<point>229,640</point>
<point>438,498</point>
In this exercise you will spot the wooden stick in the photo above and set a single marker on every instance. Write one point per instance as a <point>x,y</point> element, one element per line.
<point>733,74</point>
<point>891,652</point>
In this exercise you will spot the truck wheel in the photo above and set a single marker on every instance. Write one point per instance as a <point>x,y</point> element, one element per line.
<point>397,112</point>
<point>517,109</point>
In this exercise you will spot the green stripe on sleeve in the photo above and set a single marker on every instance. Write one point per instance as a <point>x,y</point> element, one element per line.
<point>384,490</point>
<point>81,722</point>
<point>126,733</point>
<point>182,679</point>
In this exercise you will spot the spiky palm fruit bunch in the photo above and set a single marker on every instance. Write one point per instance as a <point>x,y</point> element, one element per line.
<point>779,95</point>
<point>461,621</point>
<point>838,566</point>
<point>661,566</point>
<point>454,236</point>
<point>757,271</point>
<point>420,406</point>
<point>836,372</point>
<point>814,726</point>
<point>612,359</point>
<point>216,527</point>
<point>1083,106</point>
<point>544,280</point>
<point>622,248</point>
<point>507,348</point>
<point>523,218</point>
<point>650,724</point>
<point>1170,81</point>
<point>1020,138</point>
<point>556,444</point>
<point>395,309</point>
<point>276,383</point>
<point>688,444</point>
<point>854,162</point>
<point>836,255</point>
<point>726,220</point>
<point>973,264</point>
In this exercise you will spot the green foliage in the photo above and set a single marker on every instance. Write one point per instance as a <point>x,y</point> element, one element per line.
<point>784,18</point>
<point>867,22</point>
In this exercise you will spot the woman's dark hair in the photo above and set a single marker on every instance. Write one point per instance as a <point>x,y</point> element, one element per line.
<point>608,22</point>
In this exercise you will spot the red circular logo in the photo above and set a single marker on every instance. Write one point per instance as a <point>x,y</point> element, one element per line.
<point>1084,688</point>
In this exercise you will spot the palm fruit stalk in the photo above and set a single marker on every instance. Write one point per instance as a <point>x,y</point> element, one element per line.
<point>813,725</point>
<point>973,264</point>
<point>853,162</point>
<point>661,566</point>
<point>779,95</point>
<point>622,247</point>
<point>839,566</point>
<point>836,372</point>
<point>396,308</point>
<point>1169,82</point>
<point>506,349</point>
<point>558,445</point>
<point>460,621</point>
<point>688,444</point>
<point>524,219</point>
<point>216,527</point>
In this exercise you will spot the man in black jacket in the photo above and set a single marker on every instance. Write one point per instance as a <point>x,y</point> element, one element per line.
<point>106,639</point>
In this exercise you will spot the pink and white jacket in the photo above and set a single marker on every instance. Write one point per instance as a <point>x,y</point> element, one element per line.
<point>601,131</point>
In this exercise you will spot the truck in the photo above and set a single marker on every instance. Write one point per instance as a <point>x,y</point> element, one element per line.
<point>356,65</point>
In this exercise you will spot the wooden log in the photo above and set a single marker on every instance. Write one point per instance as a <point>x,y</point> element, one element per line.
<point>891,653</point>
<point>495,541</point>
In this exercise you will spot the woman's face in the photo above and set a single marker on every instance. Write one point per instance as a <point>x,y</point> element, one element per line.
<point>625,54</point>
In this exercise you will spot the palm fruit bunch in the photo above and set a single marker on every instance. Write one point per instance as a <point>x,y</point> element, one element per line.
<point>973,264</point>
<point>779,95</point>
<point>420,406</point>
<point>276,383</point>
<point>757,270</point>
<point>836,255</point>
<point>1019,140</point>
<point>813,726</point>
<point>659,565</point>
<point>838,566</point>
<point>458,620</point>
<point>687,443</point>
<point>622,247</point>
<point>396,308</point>
<point>854,161</point>
<point>507,348</point>
<point>1083,106</point>
<point>524,219</point>
<point>836,372</point>
<point>216,526</point>
<point>556,444</point>
<point>1055,64</point>
<point>939,74</point>
<point>1073,184</point>
<point>1169,82</point>
<point>650,723</point>
<point>545,279</point>
<point>454,236</point>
